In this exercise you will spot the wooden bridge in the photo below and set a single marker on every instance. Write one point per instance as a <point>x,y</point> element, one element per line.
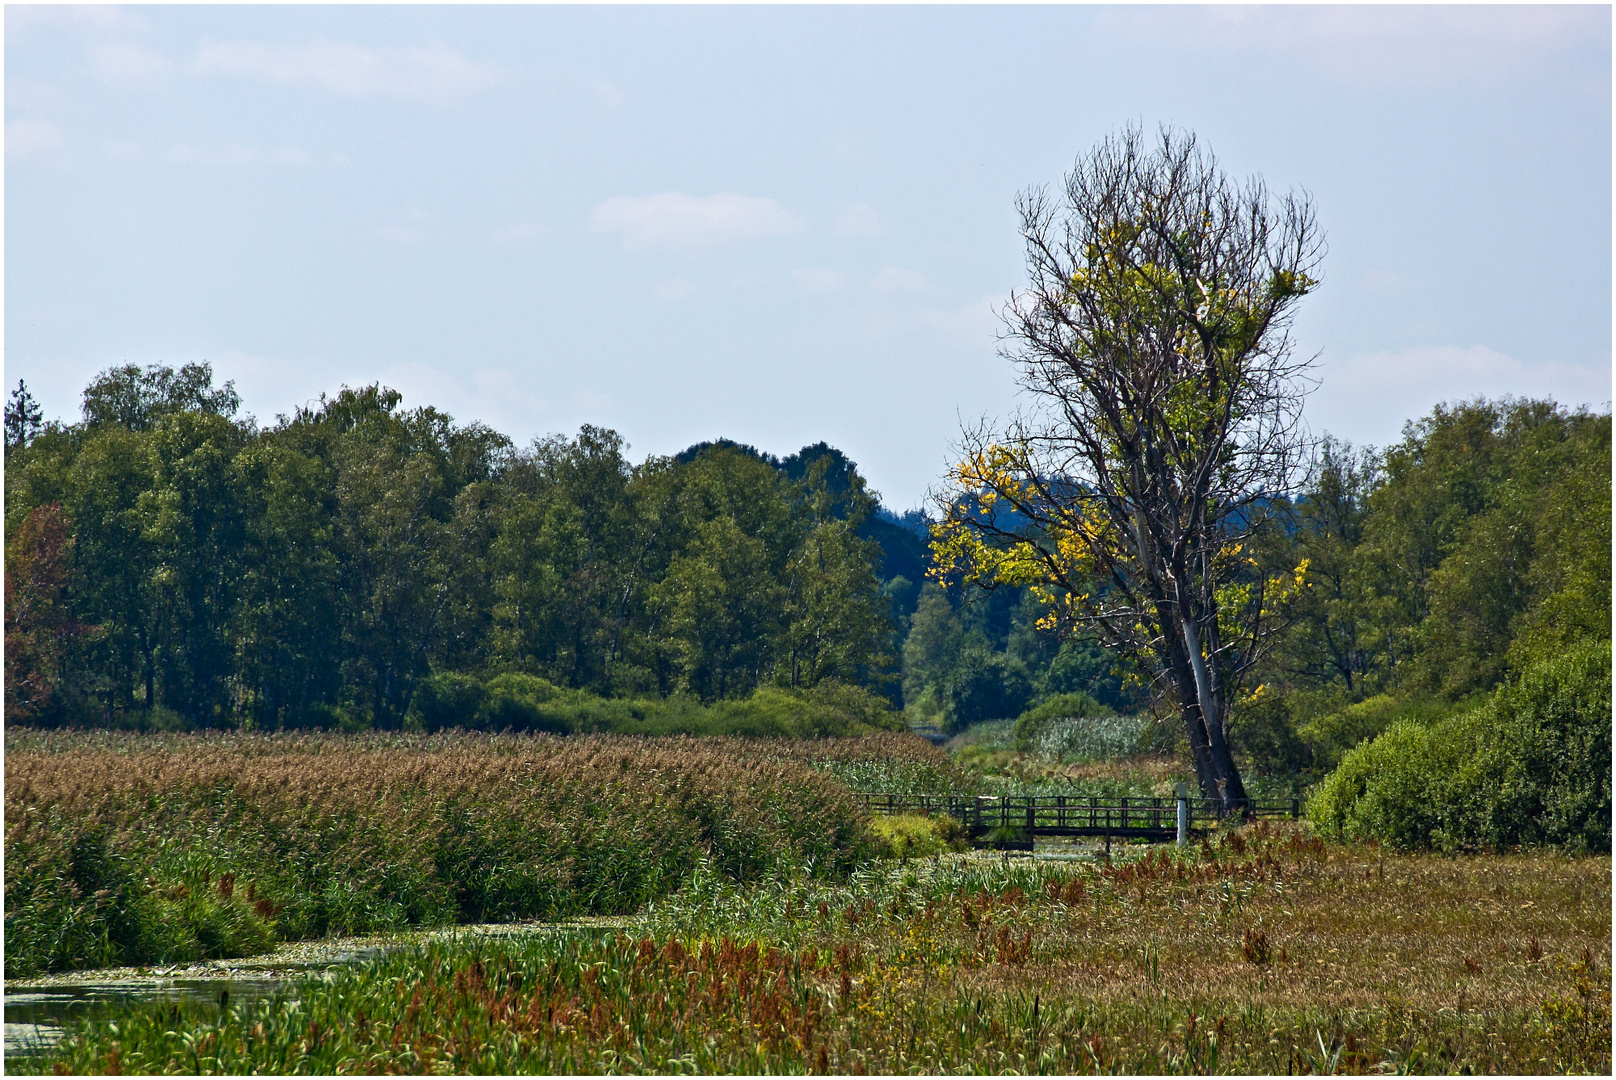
<point>1031,816</point>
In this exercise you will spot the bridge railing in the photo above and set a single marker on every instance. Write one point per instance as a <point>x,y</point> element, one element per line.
<point>1061,813</point>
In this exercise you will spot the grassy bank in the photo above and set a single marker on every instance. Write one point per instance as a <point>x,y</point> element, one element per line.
<point>1269,953</point>
<point>126,849</point>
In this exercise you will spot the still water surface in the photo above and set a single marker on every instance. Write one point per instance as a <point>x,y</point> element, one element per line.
<point>36,1015</point>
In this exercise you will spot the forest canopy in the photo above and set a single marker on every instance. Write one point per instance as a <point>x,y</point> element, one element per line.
<point>172,563</point>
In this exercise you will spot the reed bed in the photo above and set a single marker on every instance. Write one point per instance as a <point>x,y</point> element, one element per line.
<point>1267,952</point>
<point>135,849</point>
<point>895,762</point>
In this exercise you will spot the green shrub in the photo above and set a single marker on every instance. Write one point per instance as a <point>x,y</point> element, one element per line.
<point>520,703</point>
<point>524,703</point>
<point>1542,775</point>
<point>1075,705</point>
<point>914,836</point>
<point>446,700</point>
<point>986,686</point>
<point>1331,735</point>
<point>1529,767</point>
<point>854,706</point>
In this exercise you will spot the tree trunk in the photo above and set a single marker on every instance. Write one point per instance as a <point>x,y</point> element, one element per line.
<point>1228,788</point>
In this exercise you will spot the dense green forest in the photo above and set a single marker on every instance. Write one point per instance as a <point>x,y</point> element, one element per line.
<point>172,564</point>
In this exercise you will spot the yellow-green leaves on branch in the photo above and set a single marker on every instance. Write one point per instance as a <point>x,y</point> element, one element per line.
<point>1153,338</point>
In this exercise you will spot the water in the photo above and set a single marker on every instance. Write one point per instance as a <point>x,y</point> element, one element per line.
<point>36,1016</point>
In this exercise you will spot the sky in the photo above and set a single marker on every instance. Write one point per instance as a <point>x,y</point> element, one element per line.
<point>778,225</point>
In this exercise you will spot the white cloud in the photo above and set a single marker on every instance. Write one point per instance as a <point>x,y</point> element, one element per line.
<point>975,323</point>
<point>856,219</point>
<point>893,279</point>
<point>124,64</point>
<point>238,156</point>
<point>1368,397</point>
<point>673,219</point>
<point>817,279</point>
<point>30,95</point>
<point>33,139</point>
<point>398,234</point>
<point>502,385</point>
<point>673,290</point>
<point>1379,43</point>
<point>432,72</point>
<point>497,396</point>
<point>118,150</point>
<point>521,233</point>
<point>98,19</point>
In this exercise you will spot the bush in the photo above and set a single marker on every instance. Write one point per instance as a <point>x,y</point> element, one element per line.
<point>1542,775</point>
<point>1529,767</point>
<point>1330,736</point>
<point>521,703</point>
<point>446,700</point>
<point>914,836</point>
<point>524,703</point>
<point>1074,705</point>
<point>1088,666</point>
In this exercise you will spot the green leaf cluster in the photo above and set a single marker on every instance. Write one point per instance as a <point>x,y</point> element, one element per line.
<point>183,566</point>
<point>1529,767</point>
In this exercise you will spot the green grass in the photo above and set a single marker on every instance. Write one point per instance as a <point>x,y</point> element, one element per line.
<point>136,849</point>
<point>1269,952</point>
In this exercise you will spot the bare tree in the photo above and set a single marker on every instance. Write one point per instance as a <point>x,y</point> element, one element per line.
<point>1154,338</point>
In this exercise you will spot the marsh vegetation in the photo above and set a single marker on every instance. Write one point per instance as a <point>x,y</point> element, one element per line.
<point>1266,951</point>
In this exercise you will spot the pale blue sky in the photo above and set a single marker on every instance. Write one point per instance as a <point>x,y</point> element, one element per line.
<point>775,224</point>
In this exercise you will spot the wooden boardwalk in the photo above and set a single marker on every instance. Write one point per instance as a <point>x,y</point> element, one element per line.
<point>1032,816</point>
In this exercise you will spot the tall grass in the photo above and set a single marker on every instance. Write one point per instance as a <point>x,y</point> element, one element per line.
<point>886,761</point>
<point>1090,738</point>
<point>1267,953</point>
<point>130,849</point>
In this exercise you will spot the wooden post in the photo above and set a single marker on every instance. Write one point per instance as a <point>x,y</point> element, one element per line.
<point>1183,815</point>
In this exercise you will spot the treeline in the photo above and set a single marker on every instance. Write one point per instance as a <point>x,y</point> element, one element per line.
<point>172,564</point>
<point>1454,561</point>
<point>1434,571</point>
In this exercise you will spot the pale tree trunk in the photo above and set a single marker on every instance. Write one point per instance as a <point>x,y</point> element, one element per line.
<point>1228,788</point>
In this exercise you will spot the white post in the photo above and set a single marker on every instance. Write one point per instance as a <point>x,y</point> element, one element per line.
<point>1183,815</point>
